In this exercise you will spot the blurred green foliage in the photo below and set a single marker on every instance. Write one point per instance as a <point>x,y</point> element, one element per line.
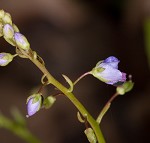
<point>17,125</point>
<point>147,38</point>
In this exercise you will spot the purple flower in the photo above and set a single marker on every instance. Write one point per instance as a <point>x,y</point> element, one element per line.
<point>34,104</point>
<point>21,41</point>
<point>107,71</point>
<point>5,59</point>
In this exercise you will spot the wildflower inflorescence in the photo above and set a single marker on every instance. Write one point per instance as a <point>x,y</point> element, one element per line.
<point>106,71</point>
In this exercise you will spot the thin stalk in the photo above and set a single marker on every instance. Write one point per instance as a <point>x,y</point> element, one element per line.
<point>106,108</point>
<point>72,98</point>
<point>82,76</point>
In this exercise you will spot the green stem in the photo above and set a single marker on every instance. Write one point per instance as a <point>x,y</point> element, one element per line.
<point>106,108</point>
<point>73,99</point>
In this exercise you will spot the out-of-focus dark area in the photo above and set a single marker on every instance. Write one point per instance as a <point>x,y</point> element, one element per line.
<point>72,36</point>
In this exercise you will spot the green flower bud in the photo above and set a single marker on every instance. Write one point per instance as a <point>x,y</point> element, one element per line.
<point>49,101</point>
<point>7,18</point>
<point>2,13</point>
<point>21,41</point>
<point>125,87</point>
<point>5,58</point>
<point>90,135</point>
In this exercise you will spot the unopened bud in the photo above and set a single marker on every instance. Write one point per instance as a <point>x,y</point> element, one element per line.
<point>16,29</point>
<point>34,103</point>
<point>125,87</point>
<point>5,58</point>
<point>49,101</point>
<point>21,41</point>
<point>8,31</point>
<point>2,13</point>
<point>90,135</point>
<point>7,18</point>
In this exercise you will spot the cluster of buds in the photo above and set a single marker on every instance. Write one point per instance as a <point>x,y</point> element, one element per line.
<point>36,101</point>
<point>11,34</point>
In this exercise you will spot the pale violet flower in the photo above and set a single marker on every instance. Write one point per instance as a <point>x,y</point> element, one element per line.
<point>34,103</point>
<point>107,71</point>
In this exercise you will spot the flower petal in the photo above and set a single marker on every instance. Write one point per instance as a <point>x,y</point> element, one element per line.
<point>111,75</point>
<point>112,61</point>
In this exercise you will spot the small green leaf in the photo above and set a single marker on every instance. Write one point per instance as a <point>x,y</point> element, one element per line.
<point>69,82</point>
<point>80,118</point>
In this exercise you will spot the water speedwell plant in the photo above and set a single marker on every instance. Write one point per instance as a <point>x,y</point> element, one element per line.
<point>105,70</point>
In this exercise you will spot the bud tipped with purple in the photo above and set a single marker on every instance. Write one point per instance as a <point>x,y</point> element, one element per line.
<point>34,104</point>
<point>21,41</point>
<point>5,58</point>
<point>8,31</point>
<point>107,71</point>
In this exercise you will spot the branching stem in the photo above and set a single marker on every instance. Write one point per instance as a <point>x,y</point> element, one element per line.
<point>72,98</point>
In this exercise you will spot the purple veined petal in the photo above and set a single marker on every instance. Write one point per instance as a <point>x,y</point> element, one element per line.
<point>113,64</point>
<point>32,108</point>
<point>112,61</point>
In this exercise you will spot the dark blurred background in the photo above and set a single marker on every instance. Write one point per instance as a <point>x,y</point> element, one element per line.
<point>72,36</point>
